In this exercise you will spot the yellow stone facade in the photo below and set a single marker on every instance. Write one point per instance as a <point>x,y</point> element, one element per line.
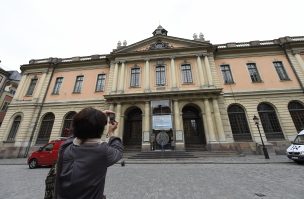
<point>155,71</point>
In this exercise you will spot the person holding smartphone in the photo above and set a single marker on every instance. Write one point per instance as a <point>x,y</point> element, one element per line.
<point>84,159</point>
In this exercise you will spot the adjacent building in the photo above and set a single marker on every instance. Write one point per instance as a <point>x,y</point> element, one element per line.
<point>9,81</point>
<point>168,93</point>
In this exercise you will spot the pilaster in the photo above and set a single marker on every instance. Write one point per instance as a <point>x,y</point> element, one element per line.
<point>208,69</point>
<point>210,128</point>
<point>114,83</point>
<point>147,76</point>
<point>200,71</point>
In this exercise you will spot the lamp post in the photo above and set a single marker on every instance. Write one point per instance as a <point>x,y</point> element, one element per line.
<point>256,121</point>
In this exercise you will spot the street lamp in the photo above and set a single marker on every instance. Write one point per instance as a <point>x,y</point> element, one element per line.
<point>256,121</point>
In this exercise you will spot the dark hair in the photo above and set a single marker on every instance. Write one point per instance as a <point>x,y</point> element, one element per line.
<point>89,123</point>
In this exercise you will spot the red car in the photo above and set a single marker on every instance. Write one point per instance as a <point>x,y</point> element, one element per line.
<point>46,155</point>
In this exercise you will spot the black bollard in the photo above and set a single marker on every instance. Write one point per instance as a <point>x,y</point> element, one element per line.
<point>122,163</point>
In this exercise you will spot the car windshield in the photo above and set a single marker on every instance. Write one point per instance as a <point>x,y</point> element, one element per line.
<point>299,139</point>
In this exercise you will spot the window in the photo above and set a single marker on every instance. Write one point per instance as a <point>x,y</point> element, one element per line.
<point>48,147</point>
<point>227,75</point>
<point>135,75</point>
<point>67,124</point>
<point>11,91</point>
<point>280,70</point>
<point>253,72</point>
<point>270,122</point>
<point>57,85</point>
<point>14,129</point>
<point>160,76</point>
<point>32,86</point>
<point>78,84</point>
<point>100,84</point>
<point>186,73</point>
<point>45,128</point>
<point>238,123</point>
<point>296,110</point>
<point>4,106</point>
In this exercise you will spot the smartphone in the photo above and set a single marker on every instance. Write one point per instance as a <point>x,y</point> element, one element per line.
<point>111,117</point>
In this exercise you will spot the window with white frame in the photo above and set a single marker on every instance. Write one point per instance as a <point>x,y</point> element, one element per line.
<point>32,86</point>
<point>227,75</point>
<point>160,75</point>
<point>253,72</point>
<point>5,106</point>
<point>135,76</point>
<point>186,73</point>
<point>100,83</point>
<point>78,84</point>
<point>57,86</point>
<point>280,70</point>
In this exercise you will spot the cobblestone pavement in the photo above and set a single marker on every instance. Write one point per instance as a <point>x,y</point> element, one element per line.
<point>191,181</point>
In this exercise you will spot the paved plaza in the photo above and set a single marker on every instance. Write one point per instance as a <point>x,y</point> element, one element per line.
<point>219,179</point>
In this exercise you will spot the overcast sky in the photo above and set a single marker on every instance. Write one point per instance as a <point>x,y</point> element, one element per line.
<point>36,29</point>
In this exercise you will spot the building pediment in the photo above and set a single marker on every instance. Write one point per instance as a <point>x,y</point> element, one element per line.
<point>159,43</point>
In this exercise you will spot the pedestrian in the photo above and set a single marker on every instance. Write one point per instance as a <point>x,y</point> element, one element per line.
<point>83,160</point>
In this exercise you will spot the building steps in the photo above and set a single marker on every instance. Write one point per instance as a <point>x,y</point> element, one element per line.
<point>178,154</point>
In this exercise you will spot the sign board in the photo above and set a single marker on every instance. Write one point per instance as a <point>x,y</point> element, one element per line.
<point>146,136</point>
<point>162,122</point>
<point>179,135</point>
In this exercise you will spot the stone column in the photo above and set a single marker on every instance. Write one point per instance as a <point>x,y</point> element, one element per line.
<point>200,71</point>
<point>111,107</point>
<point>300,60</point>
<point>146,145</point>
<point>121,78</point>
<point>210,128</point>
<point>218,120</point>
<point>114,83</point>
<point>208,69</point>
<point>179,143</point>
<point>119,129</point>
<point>173,76</point>
<point>147,116</point>
<point>147,76</point>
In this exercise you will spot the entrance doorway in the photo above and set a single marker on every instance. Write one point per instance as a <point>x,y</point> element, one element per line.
<point>132,136</point>
<point>193,127</point>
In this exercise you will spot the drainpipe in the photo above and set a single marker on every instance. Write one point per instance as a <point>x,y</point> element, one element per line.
<point>53,63</point>
<point>293,69</point>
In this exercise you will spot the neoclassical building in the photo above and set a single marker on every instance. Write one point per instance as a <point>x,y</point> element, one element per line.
<point>168,93</point>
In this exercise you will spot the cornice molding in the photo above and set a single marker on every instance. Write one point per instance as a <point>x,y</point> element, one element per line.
<point>193,94</point>
<point>263,92</point>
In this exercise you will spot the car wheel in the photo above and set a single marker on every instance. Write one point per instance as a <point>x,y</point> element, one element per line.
<point>33,164</point>
<point>299,162</point>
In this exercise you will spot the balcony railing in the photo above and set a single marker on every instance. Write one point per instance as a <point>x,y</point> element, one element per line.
<point>260,43</point>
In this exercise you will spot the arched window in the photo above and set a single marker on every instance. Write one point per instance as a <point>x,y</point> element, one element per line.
<point>238,123</point>
<point>45,128</point>
<point>67,124</point>
<point>296,111</point>
<point>14,129</point>
<point>270,122</point>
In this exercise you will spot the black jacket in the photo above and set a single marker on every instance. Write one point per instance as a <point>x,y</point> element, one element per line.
<point>81,170</point>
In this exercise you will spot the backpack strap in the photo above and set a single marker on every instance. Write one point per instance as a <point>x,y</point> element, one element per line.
<point>67,143</point>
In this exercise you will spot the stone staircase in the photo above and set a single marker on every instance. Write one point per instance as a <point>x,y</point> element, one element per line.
<point>178,154</point>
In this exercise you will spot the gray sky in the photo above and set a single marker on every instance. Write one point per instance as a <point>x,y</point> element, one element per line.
<point>35,29</point>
